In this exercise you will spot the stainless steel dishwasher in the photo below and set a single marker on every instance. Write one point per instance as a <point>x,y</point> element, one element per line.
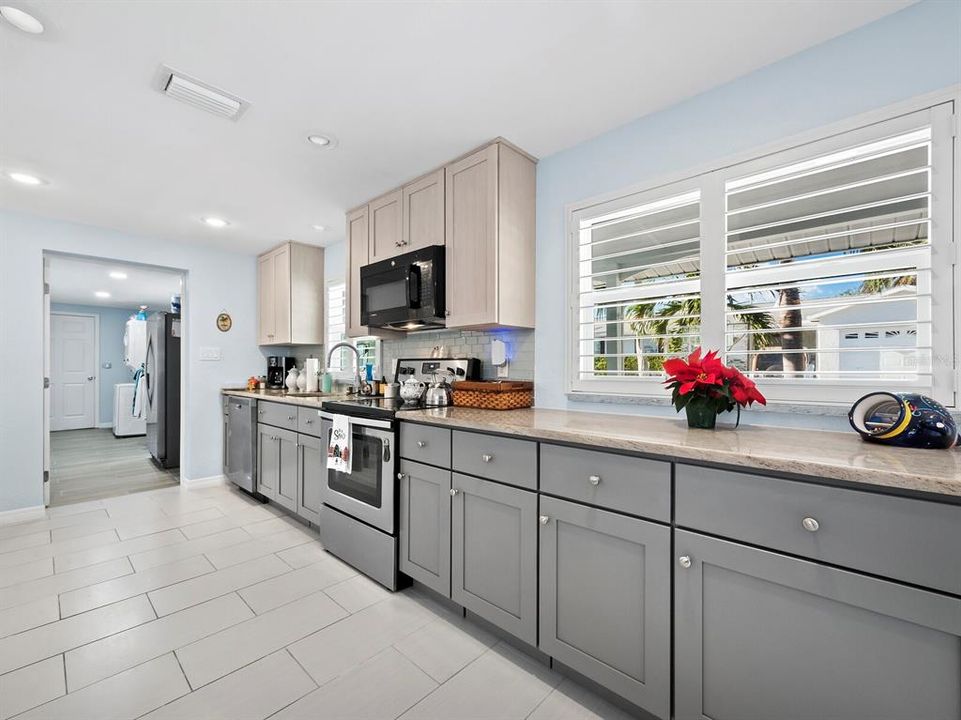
<point>240,441</point>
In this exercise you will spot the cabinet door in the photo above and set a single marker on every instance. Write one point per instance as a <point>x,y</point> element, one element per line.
<point>471,239</point>
<point>386,222</point>
<point>268,461</point>
<point>358,239</point>
<point>425,525</point>
<point>424,212</point>
<point>494,553</point>
<point>760,635</point>
<point>605,599</point>
<point>287,478</point>
<point>281,299</point>
<point>311,477</point>
<point>267,327</point>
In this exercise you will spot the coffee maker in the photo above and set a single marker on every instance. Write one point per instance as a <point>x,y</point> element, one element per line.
<point>277,368</point>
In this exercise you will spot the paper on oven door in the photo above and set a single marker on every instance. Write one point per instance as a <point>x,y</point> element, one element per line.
<point>338,451</point>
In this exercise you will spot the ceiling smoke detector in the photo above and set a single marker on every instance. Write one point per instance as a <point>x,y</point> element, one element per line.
<point>192,91</point>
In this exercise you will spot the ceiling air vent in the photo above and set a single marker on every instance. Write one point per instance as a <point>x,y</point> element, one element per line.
<point>194,92</point>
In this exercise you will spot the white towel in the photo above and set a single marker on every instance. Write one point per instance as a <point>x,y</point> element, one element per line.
<point>138,395</point>
<point>338,451</point>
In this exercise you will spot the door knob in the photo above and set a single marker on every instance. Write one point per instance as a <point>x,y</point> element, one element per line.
<point>544,519</point>
<point>810,524</point>
<point>684,561</point>
<point>91,377</point>
<point>453,492</point>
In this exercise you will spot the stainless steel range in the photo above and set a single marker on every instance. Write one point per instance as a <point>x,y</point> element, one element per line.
<point>360,511</point>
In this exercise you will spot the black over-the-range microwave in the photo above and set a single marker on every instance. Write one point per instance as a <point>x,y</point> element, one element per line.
<point>405,292</point>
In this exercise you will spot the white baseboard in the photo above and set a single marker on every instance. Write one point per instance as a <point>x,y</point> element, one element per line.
<point>19,515</point>
<point>105,425</point>
<point>203,482</point>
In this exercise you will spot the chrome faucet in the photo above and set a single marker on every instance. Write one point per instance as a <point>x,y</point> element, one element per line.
<point>359,381</point>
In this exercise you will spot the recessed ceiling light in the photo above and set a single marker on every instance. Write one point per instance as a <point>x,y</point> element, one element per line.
<point>216,222</point>
<point>21,20</point>
<point>117,275</point>
<point>322,140</point>
<point>25,178</point>
<point>319,228</point>
<point>102,294</point>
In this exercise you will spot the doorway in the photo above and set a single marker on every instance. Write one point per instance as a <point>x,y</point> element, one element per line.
<point>112,361</point>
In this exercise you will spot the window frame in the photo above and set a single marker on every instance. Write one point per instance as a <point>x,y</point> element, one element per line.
<point>347,375</point>
<point>941,110</point>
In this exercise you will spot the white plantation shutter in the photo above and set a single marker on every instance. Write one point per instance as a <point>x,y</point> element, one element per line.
<point>837,272</point>
<point>337,324</point>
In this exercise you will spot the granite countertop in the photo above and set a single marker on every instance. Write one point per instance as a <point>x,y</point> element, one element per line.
<point>820,454</point>
<point>313,401</point>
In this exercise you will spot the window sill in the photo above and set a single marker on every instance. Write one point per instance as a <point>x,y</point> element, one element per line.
<point>776,406</point>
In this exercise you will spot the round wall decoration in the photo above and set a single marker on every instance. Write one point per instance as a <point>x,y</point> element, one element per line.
<point>224,323</point>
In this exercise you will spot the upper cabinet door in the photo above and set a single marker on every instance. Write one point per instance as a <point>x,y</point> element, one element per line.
<point>281,295</point>
<point>265,288</point>
<point>358,239</point>
<point>471,199</point>
<point>386,222</point>
<point>424,212</point>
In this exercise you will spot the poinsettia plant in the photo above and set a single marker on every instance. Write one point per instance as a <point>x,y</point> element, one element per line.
<point>706,387</point>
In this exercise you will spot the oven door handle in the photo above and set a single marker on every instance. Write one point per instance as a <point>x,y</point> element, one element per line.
<point>360,422</point>
<point>413,287</point>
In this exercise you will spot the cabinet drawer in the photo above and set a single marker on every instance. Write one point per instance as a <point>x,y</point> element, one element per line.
<point>631,485</point>
<point>508,461</point>
<point>308,421</point>
<point>425,444</point>
<point>901,538</point>
<point>277,414</point>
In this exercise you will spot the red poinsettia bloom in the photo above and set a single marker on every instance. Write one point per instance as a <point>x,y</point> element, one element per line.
<point>695,371</point>
<point>707,377</point>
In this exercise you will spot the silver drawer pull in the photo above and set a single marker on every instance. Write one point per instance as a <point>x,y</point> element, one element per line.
<point>421,443</point>
<point>810,524</point>
<point>684,561</point>
<point>487,458</point>
<point>594,480</point>
<point>453,492</point>
<point>544,519</point>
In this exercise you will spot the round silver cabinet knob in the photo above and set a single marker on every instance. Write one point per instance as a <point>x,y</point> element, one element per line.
<point>810,524</point>
<point>309,421</point>
<point>421,443</point>
<point>684,561</point>
<point>290,417</point>
<point>487,458</point>
<point>544,519</point>
<point>401,476</point>
<point>453,492</point>
<point>594,480</point>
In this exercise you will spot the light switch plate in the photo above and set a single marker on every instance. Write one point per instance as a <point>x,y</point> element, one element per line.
<point>211,354</point>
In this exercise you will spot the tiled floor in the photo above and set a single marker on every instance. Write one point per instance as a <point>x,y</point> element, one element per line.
<point>193,604</point>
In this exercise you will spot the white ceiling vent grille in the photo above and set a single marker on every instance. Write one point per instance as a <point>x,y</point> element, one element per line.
<point>192,91</point>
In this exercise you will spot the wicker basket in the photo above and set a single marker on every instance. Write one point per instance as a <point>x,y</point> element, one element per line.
<point>507,395</point>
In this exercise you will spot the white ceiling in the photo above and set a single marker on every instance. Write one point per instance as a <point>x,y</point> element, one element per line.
<point>402,85</point>
<point>75,281</point>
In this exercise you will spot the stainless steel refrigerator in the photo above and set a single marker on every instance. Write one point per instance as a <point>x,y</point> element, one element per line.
<point>162,388</point>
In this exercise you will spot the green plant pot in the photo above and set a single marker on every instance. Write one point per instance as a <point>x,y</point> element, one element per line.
<point>701,416</point>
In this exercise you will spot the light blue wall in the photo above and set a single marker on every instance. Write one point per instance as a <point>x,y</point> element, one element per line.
<point>903,55</point>
<point>112,325</point>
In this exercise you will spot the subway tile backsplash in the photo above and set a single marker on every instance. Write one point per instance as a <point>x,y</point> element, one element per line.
<point>467,343</point>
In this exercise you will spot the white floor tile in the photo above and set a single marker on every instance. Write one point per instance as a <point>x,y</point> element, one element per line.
<point>206,587</point>
<point>570,701</point>
<point>62,582</point>
<point>251,693</point>
<point>383,687</point>
<point>258,547</point>
<point>260,528</point>
<point>57,637</point>
<point>30,686</point>
<point>47,550</point>
<point>170,553</point>
<point>357,593</point>
<point>294,584</point>
<point>230,649</point>
<point>73,560</point>
<point>121,697</point>
<point>445,646</point>
<point>19,542</point>
<point>503,684</point>
<point>24,617</point>
<point>167,522</point>
<point>83,599</point>
<point>335,649</point>
<point>28,571</point>
<point>49,523</point>
<point>103,658</point>
<point>303,555</point>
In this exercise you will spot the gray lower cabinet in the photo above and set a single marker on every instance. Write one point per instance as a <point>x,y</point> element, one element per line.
<point>277,463</point>
<point>759,635</point>
<point>311,477</point>
<point>605,600</point>
<point>494,553</point>
<point>425,503</point>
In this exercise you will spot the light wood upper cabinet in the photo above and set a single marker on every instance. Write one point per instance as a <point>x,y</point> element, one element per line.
<point>358,237</point>
<point>291,295</point>
<point>490,239</point>
<point>386,226</point>
<point>423,212</point>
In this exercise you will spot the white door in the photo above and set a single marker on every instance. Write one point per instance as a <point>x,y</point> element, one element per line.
<point>73,372</point>
<point>46,382</point>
